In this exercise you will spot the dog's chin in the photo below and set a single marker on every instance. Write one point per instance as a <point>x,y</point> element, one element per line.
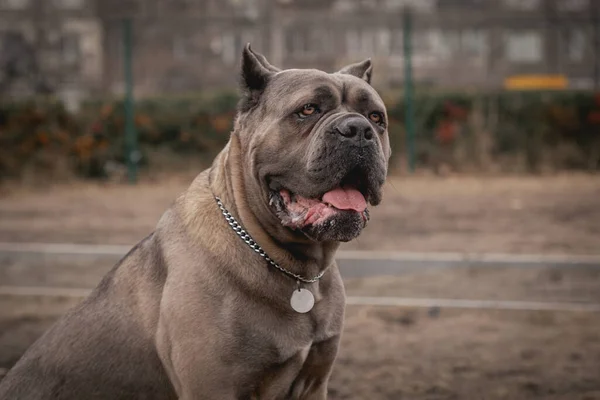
<point>342,226</point>
<point>317,219</point>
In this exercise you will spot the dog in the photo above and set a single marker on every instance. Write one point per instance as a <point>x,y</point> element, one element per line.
<point>236,294</point>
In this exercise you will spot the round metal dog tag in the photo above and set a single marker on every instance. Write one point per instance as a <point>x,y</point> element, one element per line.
<point>302,301</point>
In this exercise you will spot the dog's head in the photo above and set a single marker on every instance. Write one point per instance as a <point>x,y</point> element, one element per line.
<point>316,145</point>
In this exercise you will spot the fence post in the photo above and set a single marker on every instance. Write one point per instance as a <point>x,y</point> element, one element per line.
<point>595,14</point>
<point>132,154</point>
<point>408,89</point>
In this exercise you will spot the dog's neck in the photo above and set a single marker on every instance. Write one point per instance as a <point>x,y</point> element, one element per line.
<point>290,249</point>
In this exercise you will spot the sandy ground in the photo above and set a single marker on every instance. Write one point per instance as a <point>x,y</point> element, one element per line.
<point>416,354</point>
<point>399,353</point>
<point>386,353</point>
<point>495,214</point>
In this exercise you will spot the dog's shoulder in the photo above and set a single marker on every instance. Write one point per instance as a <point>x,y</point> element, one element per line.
<point>193,225</point>
<point>191,208</point>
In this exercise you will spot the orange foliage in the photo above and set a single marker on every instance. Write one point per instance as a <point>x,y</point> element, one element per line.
<point>446,131</point>
<point>142,120</point>
<point>106,111</point>
<point>221,123</point>
<point>43,138</point>
<point>594,117</point>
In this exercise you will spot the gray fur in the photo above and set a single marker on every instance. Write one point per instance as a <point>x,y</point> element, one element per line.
<point>192,312</point>
<point>362,70</point>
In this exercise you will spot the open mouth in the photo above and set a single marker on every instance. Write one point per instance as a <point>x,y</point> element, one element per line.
<point>297,212</point>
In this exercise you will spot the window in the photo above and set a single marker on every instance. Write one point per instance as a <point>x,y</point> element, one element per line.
<point>229,44</point>
<point>524,5</point>
<point>576,45</point>
<point>524,46</point>
<point>295,41</point>
<point>450,4</point>
<point>572,5</point>
<point>180,47</point>
<point>474,43</point>
<point>397,43</point>
<point>229,48</point>
<point>69,4</point>
<point>446,44</point>
<point>302,40</point>
<point>458,44</point>
<point>344,6</point>
<point>71,49</point>
<point>368,3</point>
<point>383,42</point>
<point>368,43</point>
<point>424,41</point>
<point>14,4</point>
<point>417,5</point>
<point>247,8</point>
<point>353,42</point>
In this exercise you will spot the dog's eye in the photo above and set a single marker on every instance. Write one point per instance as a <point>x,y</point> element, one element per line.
<point>308,110</point>
<point>376,117</point>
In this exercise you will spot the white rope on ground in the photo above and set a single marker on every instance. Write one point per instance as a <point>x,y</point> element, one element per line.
<point>434,257</point>
<point>448,257</point>
<point>65,249</point>
<point>471,304</point>
<point>36,291</point>
<point>40,291</point>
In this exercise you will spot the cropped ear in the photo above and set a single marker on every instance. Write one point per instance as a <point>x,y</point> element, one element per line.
<point>362,70</point>
<point>256,73</point>
<point>264,62</point>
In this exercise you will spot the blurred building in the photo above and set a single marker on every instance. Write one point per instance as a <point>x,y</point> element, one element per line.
<point>51,46</point>
<point>189,45</point>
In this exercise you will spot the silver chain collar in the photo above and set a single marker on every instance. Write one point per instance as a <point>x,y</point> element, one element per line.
<point>256,247</point>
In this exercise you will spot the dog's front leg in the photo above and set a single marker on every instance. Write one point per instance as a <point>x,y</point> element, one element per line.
<point>196,375</point>
<point>191,355</point>
<point>311,383</point>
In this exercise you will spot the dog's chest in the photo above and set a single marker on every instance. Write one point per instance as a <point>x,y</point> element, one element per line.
<point>278,340</point>
<point>299,335</point>
<point>297,357</point>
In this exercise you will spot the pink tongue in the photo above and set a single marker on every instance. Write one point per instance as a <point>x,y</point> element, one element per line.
<point>346,199</point>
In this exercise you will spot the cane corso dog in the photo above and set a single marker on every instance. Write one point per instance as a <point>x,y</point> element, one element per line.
<point>236,294</point>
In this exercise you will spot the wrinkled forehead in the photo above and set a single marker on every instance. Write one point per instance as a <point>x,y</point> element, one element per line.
<point>294,87</point>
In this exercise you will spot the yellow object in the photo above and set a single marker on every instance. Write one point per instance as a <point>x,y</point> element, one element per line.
<point>533,82</point>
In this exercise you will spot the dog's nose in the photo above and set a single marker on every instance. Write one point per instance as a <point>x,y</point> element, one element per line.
<point>355,127</point>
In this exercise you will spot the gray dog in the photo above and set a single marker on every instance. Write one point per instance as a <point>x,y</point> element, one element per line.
<point>236,295</point>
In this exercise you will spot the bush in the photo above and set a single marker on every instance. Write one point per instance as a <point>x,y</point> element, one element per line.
<point>37,136</point>
<point>557,128</point>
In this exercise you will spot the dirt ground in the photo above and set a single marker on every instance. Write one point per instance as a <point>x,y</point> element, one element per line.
<point>398,353</point>
<point>557,214</point>
<point>386,353</point>
<point>390,353</point>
